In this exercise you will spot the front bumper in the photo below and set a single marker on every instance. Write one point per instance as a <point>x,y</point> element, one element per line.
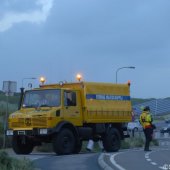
<point>33,132</point>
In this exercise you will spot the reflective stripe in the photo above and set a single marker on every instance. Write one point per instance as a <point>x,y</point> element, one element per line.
<point>147,126</point>
<point>106,97</point>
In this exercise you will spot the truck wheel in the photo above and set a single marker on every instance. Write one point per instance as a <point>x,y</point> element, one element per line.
<point>64,142</point>
<point>78,147</point>
<point>111,141</point>
<point>22,145</point>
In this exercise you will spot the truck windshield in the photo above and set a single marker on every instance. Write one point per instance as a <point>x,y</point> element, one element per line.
<point>42,98</point>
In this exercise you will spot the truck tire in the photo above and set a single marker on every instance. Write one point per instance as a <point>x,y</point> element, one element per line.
<point>111,141</point>
<point>21,145</point>
<point>64,142</point>
<point>78,147</point>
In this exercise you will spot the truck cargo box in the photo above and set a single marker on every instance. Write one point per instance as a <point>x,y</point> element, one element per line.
<point>106,102</point>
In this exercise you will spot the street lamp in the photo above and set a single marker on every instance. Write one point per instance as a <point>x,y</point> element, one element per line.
<point>28,78</point>
<point>130,67</point>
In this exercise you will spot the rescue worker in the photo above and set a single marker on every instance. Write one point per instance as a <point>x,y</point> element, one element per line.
<point>146,122</point>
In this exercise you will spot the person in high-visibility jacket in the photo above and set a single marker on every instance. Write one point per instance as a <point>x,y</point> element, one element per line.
<point>146,122</point>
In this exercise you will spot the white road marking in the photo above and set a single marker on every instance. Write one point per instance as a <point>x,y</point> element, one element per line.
<point>147,156</point>
<point>154,163</point>
<point>112,159</point>
<point>161,167</point>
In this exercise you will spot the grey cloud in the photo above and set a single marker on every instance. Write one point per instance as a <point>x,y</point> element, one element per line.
<point>37,15</point>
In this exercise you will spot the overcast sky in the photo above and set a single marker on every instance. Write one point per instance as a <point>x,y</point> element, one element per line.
<point>59,38</point>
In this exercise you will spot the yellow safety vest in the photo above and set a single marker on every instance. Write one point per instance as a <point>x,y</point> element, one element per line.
<point>146,120</point>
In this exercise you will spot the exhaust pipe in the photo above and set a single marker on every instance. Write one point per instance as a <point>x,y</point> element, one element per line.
<point>21,97</point>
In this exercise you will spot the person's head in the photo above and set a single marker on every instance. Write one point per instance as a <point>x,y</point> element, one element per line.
<point>147,108</point>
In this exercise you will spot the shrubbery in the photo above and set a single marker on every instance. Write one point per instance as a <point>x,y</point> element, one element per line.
<point>1,128</point>
<point>136,142</point>
<point>8,163</point>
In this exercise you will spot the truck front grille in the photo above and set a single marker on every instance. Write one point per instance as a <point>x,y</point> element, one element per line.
<point>30,122</point>
<point>41,122</point>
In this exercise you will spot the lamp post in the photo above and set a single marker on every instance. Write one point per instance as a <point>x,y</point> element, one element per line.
<point>130,67</point>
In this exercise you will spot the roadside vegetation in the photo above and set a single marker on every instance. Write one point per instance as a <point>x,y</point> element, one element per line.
<point>12,103</point>
<point>12,107</point>
<point>9,163</point>
<point>136,142</point>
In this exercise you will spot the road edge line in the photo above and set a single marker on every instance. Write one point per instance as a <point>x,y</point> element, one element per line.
<point>102,163</point>
<point>114,162</point>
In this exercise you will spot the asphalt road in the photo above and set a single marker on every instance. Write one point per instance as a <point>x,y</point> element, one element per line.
<point>139,160</point>
<point>69,162</point>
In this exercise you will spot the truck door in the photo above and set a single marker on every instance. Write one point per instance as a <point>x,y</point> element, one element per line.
<point>72,107</point>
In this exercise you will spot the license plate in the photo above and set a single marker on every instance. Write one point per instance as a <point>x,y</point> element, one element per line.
<point>9,132</point>
<point>21,132</point>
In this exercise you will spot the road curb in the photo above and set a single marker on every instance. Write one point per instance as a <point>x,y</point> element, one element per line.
<point>102,163</point>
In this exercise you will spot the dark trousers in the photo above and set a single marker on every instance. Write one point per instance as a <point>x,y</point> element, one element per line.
<point>148,137</point>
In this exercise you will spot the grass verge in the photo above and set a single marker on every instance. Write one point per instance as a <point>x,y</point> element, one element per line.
<point>9,163</point>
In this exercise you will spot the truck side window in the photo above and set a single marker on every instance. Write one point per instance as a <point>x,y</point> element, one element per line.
<point>69,98</point>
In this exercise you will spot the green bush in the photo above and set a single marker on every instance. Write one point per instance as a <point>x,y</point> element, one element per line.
<point>132,142</point>
<point>8,163</point>
<point>8,142</point>
<point>24,164</point>
<point>5,161</point>
<point>11,108</point>
<point>125,144</point>
<point>136,142</point>
<point>1,141</point>
<point>155,142</point>
<point>1,128</point>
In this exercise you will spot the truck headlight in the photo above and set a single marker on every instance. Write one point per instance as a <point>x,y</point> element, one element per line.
<point>43,131</point>
<point>9,132</point>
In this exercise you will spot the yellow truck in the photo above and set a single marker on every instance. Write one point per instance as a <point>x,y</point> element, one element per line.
<point>66,114</point>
